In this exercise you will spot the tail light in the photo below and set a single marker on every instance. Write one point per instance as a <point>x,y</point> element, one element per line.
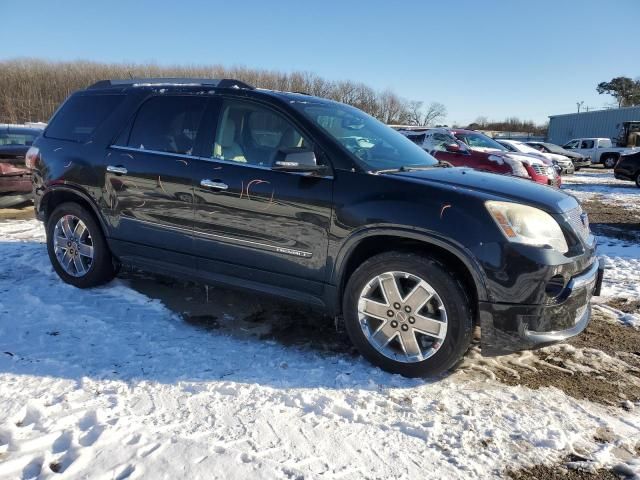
<point>31,158</point>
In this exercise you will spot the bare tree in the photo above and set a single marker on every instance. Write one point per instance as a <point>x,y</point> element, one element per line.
<point>415,112</point>
<point>435,111</point>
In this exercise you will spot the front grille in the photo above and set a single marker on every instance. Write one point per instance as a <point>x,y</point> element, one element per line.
<point>539,169</point>
<point>579,222</point>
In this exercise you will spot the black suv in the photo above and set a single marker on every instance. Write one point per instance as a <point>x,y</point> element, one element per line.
<point>628,166</point>
<point>314,201</point>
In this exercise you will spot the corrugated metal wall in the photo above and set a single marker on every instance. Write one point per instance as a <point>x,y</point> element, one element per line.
<point>599,123</point>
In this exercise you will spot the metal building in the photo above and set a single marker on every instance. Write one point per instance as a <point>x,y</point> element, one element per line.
<point>597,123</point>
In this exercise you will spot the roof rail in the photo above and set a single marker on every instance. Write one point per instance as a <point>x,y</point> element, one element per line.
<point>210,82</point>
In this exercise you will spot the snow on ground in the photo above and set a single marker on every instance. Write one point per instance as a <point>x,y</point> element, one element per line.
<point>591,184</point>
<point>108,383</point>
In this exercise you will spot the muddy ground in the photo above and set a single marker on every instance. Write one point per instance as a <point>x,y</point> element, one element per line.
<point>21,212</point>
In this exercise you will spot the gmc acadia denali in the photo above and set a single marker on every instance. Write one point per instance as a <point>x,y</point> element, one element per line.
<point>317,202</point>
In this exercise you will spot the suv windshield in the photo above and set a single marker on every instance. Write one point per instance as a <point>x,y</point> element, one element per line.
<point>478,140</point>
<point>372,142</point>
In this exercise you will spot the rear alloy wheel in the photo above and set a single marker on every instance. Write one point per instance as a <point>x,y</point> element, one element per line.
<point>77,249</point>
<point>407,315</point>
<point>609,161</point>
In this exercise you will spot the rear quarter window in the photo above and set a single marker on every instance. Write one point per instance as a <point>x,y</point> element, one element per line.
<point>79,117</point>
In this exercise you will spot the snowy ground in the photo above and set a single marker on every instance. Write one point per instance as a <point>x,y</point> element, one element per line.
<point>112,383</point>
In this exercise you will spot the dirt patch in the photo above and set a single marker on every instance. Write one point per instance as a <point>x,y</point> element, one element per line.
<point>625,305</point>
<point>559,472</point>
<point>611,220</point>
<point>584,372</point>
<point>23,213</point>
<point>608,336</point>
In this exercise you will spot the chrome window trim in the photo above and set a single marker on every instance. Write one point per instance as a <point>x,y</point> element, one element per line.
<point>209,159</point>
<point>275,248</point>
<point>155,152</point>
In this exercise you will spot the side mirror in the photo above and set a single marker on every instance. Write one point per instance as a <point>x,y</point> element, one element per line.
<point>296,160</point>
<point>453,148</point>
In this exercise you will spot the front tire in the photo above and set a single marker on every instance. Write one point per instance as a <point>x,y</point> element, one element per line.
<point>406,314</point>
<point>77,248</point>
<point>638,180</point>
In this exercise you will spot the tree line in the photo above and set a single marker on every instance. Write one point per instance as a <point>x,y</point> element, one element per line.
<point>511,124</point>
<point>31,89</point>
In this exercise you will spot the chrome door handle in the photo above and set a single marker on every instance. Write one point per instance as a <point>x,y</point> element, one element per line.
<point>215,185</point>
<point>117,170</point>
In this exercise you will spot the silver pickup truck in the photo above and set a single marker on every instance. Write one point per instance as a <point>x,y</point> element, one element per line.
<point>601,150</point>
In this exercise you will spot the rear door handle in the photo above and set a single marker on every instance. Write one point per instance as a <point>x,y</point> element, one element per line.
<point>214,185</point>
<point>117,170</point>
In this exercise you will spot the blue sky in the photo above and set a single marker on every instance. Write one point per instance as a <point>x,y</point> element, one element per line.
<point>491,58</point>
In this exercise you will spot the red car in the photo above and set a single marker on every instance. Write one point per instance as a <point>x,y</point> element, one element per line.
<point>468,148</point>
<point>15,178</point>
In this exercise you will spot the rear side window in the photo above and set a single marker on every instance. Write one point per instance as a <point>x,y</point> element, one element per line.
<point>167,124</point>
<point>81,115</point>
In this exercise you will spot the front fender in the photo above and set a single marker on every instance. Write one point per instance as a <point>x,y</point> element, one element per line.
<point>428,238</point>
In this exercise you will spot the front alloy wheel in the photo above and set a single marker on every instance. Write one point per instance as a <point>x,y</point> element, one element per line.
<point>407,313</point>
<point>402,316</point>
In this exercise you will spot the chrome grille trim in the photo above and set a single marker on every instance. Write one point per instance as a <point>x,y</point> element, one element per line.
<point>575,219</point>
<point>539,169</point>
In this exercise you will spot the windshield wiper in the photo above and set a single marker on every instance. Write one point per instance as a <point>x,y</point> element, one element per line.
<point>407,168</point>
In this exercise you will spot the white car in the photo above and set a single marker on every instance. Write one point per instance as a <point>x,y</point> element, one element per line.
<point>564,163</point>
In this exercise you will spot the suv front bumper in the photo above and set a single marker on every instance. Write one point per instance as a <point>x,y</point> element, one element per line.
<point>508,328</point>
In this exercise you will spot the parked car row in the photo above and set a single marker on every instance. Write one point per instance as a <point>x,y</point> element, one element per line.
<point>579,160</point>
<point>562,163</point>
<point>318,202</point>
<point>15,178</point>
<point>469,148</point>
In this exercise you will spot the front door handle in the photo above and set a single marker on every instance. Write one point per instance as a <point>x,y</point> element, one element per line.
<point>117,170</point>
<point>214,185</point>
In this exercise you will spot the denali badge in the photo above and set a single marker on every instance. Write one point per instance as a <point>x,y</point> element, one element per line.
<point>290,251</point>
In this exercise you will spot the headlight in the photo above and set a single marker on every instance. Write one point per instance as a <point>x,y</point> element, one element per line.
<point>527,225</point>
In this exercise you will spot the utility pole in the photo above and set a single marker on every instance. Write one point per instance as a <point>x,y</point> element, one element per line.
<point>579,104</point>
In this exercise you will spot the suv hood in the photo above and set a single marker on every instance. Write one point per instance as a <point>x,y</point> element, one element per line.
<point>493,185</point>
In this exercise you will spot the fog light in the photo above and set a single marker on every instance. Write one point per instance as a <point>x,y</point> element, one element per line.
<point>555,286</point>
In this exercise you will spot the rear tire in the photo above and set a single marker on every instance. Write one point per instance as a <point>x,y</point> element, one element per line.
<point>77,248</point>
<point>447,304</point>
<point>609,161</point>
<point>638,180</point>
